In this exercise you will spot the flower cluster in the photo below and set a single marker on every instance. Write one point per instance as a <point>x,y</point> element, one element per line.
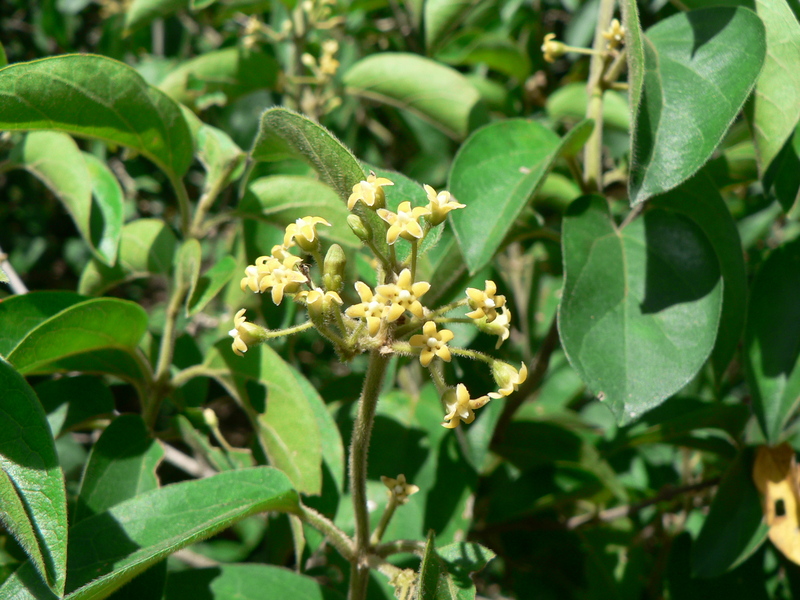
<point>389,317</point>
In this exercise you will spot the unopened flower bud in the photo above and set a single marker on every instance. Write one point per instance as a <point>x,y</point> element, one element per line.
<point>210,417</point>
<point>359,228</point>
<point>333,268</point>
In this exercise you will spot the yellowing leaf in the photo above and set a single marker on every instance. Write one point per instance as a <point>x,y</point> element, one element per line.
<point>776,475</point>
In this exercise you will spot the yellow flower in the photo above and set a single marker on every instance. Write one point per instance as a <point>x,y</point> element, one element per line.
<point>507,377</point>
<point>327,63</point>
<point>432,342</point>
<point>440,204</point>
<point>370,192</point>
<point>270,272</point>
<point>373,308</point>
<point>405,223</point>
<point>319,301</point>
<point>405,293</point>
<point>615,35</point>
<point>245,334</point>
<point>399,488</point>
<point>460,406</point>
<point>552,48</point>
<point>485,303</point>
<point>304,232</point>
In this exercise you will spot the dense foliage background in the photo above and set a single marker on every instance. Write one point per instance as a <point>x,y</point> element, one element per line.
<point>691,263</point>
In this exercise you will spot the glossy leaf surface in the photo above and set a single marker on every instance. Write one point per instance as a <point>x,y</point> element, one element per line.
<point>96,97</point>
<point>697,75</point>
<point>640,307</point>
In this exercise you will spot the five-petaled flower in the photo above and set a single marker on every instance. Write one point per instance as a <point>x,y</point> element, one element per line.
<point>318,301</point>
<point>398,488</point>
<point>272,272</point>
<point>432,343</point>
<point>507,377</point>
<point>370,192</point>
<point>460,406</point>
<point>373,308</point>
<point>440,204</point>
<point>405,293</point>
<point>485,303</point>
<point>304,233</point>
<point>404,223</point>
<point>552,48</point>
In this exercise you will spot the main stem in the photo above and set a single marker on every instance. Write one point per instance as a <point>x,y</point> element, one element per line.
<point>359,447</point>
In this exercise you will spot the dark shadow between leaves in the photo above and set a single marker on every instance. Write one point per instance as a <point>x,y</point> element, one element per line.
<point>681,263</point>
<point>706,28</point>
<point>453,476</point>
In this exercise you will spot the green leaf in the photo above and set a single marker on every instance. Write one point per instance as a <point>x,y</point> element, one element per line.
<point>230,72</point>
<point>498,52</point>
<point>71,401</point>
<point>108,208</point>
<point>783,176</point>
<point>435,583</point>
<point>569,104</point>
<point>112,361</point>
<point>699,200</point>
<point>775,105</point>
<point>21,314</point>
<point>109,549</point>
<point>734,527</point>
<point>269,391</point>
<point>34,504</point>
<point>496,173</point>
<point>244,582</point>
<point>438,94</point>
<point>3,57</point>
<point>465,556</point>
<point>284,134</point>
<point>440,17</point>
<point>122,465</point>
<point>697,76</point>
<point>146,248</point>
<point>281,199</point>
<point>142,12</point>
<point>640,307</point>
<point>96,324</point>
<point>96,97</point>
<point>210,284</point>
<point>187,265</point>
<point>222,159</point>
<point>771,349</point>
<point>634,49</point>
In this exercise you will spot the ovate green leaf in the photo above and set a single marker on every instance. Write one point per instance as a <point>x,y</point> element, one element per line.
<point>640,308</point>
<point>697,76</point>
<point>96,97</point>
<point>34,504</point>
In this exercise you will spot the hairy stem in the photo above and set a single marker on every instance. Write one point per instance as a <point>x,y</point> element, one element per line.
<point>388,513</point>
<point>359,448</point>
<point>183,204</point>
<point>336,536</point>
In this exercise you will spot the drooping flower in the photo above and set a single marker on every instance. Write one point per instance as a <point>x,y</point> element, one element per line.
<point>440,204</point>
<point>304,233</point>
<point>245,334</point>
<point>399,488</point>
<point>406,293</point>
<point>373,308</point>
<point>552,48</point>
<point>370,192</point>
<point>432,343</point>
<point>460,406</point>
<point>484,303</point>
<point>404,223</point>
<point>507,378</point>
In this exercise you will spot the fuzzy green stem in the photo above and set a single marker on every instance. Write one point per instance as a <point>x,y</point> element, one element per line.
<point>336,536</point>
<point>387,515</point>
<point>183,204</point>
<point>359,448</point>
<point>414,246</point>
<point>400,547</point>
<point>474,354</point>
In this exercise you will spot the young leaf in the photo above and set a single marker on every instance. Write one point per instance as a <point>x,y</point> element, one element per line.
<point>699,200</point>
<point>187,265</point>
<point>440,17</point>
<point>244,582</point>
<point>775,105</point>
<point>495,173</point>
<point>269,391</point>
<point>209,284</point>
<point>282,199</point>
<point>146,248</point>
<point>697,76</point>
<point>34,504</point>
<point>107,215</point>
<point>230,72</point>
<point>285,134</point>
<point>439,94</point>
<point>771,350</point>
<point>96,97</point>
<point>95,324</point>
<point>109,549</point>
<point>141,12</point>
<point>122,465</point>
<point>734,527</point>
<point>436,583</point>
<point>640,307</point>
